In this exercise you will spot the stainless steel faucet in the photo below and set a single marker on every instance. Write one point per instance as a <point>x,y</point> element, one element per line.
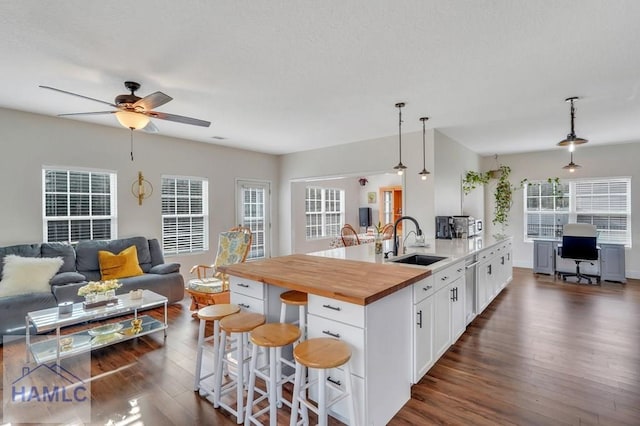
<point>395,231</point>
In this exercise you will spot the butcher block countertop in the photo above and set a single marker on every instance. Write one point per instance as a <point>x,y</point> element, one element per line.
<point>351,281</point>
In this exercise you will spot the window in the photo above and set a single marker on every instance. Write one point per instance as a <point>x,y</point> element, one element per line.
<point>253,212</point>
<point>185,207</point>
<point>605,203</point>
<point>324,210</point>
<point>78,205</point>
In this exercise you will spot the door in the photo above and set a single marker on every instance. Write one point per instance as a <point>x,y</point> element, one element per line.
<point>252,211</point>
<point>390,204</point>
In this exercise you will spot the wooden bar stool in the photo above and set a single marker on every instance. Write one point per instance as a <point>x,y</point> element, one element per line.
<point>295,298</point>
<point>321,353</point>
<point>273,336</point>
<point>241,323</point>
<point>210,313</point>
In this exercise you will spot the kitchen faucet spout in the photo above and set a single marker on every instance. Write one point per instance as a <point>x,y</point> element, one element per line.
<point>395,231</point>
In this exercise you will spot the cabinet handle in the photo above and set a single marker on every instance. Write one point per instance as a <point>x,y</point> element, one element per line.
<point>244,305</point>
<point>453,299</point>
<point>508,256</point>
<point>502,260</point>
<point>335,382</point>
<point>455,294</point>
<point>328,333</point>
<point>459,269</point>
<point>243,285</point>
<point>444,278</point>
<point>427,288</point>
<point>489,269</point>
<point>420,318</point>
<point>335,308</point>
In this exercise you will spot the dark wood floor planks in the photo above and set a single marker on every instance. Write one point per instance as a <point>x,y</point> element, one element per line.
<point>545,352</point>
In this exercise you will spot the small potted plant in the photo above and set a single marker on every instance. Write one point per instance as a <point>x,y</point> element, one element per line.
<point>378,240</point>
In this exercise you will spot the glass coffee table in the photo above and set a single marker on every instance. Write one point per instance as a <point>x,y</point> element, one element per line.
<point>62,346</point>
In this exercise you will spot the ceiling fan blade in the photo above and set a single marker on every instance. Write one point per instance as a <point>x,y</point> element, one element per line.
<point>150,128</point>
<point>177,118</point>
<point>88,113</point>
<point>152,101</point>
<point>80,96</point>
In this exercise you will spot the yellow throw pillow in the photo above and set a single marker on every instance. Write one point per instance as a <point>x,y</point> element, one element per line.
<point>121,265</point>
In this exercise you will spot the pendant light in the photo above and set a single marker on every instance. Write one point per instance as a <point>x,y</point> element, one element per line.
<point>423,174</point>
<point>572,140</point>
<point>571,166</point>
<point>400,168</point>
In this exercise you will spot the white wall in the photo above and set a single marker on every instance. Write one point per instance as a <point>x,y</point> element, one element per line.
<point>596,161</point>
<point>452,162</point>
<point>29,141</point>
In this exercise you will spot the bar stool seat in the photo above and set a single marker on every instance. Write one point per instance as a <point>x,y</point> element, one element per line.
<point>295,298</point>
<point>273,336</point>
<point>321,353</point>
<point>209,313</point>
<point>241,323</point>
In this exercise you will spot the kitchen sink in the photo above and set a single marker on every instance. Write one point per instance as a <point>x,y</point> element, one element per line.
<point>418,259</point>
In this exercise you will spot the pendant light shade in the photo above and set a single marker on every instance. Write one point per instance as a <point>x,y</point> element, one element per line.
<point>400,168</point>
<point>572,140</point>
<point>571,166</point>
<point>423,174</point>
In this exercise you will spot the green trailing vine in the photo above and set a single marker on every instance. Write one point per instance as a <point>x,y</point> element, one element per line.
<point>503,194</point>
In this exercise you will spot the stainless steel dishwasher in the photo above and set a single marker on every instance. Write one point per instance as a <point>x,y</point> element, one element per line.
<point>471,284</point>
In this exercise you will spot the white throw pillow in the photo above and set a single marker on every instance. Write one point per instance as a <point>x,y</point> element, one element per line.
<point>23,275</point>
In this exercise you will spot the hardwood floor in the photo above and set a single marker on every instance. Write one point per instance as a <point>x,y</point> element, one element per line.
<point>543,353</point>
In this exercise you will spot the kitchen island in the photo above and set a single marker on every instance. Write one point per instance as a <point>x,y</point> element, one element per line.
<point>397,318</point>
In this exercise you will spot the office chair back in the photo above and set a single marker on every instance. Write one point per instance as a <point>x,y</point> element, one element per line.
<point>579,241</point>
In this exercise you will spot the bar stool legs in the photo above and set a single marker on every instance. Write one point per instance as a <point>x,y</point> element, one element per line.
<point>299,299</point>
<point>273,336</point>
<point>240,323</point>
<point>209,313</point>
<point>321,354</point>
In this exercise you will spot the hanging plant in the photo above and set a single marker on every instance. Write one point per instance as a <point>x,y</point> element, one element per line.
<point>474,179</point>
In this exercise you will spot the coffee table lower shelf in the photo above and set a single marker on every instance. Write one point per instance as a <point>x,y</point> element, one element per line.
<point>82,341</point>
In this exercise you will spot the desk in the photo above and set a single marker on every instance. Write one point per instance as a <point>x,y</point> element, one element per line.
<point>610,264</point>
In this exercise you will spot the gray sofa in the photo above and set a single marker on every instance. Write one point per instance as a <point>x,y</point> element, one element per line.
<point>80,265</point>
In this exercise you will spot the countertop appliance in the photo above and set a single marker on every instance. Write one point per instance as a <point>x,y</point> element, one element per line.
<point>444,227</point>
<point>448,227</point>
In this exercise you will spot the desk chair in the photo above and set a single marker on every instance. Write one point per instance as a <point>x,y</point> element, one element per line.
<point>579,245</point>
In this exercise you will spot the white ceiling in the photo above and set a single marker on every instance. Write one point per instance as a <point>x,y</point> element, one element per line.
<point>281,76</point>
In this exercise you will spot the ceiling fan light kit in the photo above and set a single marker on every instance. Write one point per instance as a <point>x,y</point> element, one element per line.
<point>400,168</point>
<point>134,112</point>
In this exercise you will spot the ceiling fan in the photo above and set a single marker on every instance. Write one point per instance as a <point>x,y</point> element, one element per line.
<point>133,112</point>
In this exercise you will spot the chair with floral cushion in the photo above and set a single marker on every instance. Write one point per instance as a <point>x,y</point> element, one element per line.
<point>349,236</point>
<point>212,286</point>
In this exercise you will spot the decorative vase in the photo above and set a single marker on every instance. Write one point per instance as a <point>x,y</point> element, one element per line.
<point>90,298</point>
<point>378,244</point>
<point>110,294</point>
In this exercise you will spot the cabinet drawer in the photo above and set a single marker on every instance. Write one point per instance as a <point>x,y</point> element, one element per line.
<point>248,303</point>
<point>423,289</point>
<point>337,378</point>
<point>247,287</point>
<point>354,336</point>
<point>449,274</point>
<point>336,310</point>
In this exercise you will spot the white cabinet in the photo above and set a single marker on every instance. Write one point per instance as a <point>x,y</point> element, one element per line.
<point>379,335</point>
<point>441,321</point>
<point>457,291</point>
<point>423,356</point>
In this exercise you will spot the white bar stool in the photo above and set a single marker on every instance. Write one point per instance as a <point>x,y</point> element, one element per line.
<point>210,313</point>
<point>273,336</point>
<point>299,299</point>
<point>241,323</point>
<point>321,353</point>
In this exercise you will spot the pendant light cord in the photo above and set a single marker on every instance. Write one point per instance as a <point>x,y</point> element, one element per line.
<point>400,133</point>
<point>424,153</point>
<point>131,128</point>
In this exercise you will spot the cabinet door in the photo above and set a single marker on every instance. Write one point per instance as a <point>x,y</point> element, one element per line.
<point>458,317</point>
<point>508,266</point>
<point>484,284</point>
<point>612,265</point>
<point>442,321</point>
<point>543,257</point>
<point>422,338</point>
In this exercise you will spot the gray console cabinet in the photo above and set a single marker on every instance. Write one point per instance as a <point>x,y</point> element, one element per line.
<point>612,264</point>
<point>544,256</point>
